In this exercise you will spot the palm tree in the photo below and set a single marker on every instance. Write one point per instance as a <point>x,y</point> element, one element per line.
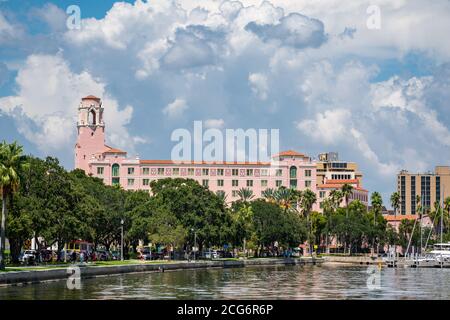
<point>11,161</point>
<point>395,202</point>
<point>306,203</point>
<point>336,198</point>
<point>286,198</point>
<point>447,209</point>
<point>327,209</point>
<point>346,190</point>
<point>418,203</point>
<point>377,205</point>
<point>269,195</point>
<point>245,194</point>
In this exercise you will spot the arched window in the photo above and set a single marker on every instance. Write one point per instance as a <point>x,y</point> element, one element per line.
<point>293,172</point>
<point>115,170</point>
<point>92,118</point>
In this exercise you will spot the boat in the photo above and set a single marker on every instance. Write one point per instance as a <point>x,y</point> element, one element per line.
<point>441,253</point>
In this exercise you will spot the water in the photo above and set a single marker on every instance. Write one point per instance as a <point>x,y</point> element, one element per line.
<point>275,282</point>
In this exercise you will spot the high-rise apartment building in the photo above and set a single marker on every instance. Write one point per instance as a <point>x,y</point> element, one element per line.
<point>430,187</point>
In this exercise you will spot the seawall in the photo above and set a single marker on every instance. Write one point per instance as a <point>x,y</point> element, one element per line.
<point>36,276</point>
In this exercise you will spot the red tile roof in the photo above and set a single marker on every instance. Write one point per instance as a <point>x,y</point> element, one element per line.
<point>290,153</point>
<point>342,181</point>
<point>91,97</point>
<point>400,217</point>
<point>112,150</point>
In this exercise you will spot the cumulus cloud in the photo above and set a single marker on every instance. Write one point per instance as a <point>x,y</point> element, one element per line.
<point>176,108</point>
<point>329,127</point>
<point>52,15</point>
<point>258,83</point>
<point>45,105</point>
<point>311,61</point>
<point>8,31</point>
<point>294,30</point>
<point>335,127</point>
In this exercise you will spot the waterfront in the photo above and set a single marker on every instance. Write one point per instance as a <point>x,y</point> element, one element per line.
<point>330,281</point>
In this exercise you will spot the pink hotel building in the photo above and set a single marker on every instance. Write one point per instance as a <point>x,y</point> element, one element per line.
<point>288,169</point>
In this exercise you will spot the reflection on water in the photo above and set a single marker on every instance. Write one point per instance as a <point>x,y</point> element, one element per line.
<point>276,282</point>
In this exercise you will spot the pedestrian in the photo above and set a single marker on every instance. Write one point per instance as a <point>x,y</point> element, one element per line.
<point>74,256</point>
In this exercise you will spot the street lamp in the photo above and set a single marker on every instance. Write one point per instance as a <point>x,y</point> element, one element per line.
<point>121,240</point>
<point>195,241</point>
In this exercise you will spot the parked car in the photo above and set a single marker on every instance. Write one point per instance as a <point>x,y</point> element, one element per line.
<point>115,255</point>
<point>28,256</point>
<point>145,255</point>
<point>102,255</point>
<point>211,254</point>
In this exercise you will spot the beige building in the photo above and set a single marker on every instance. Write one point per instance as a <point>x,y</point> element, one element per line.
<point>429,186</point>
<point>329,167</point>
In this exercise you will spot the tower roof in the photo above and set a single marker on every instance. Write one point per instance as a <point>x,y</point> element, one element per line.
<point>91,97</point>
<point>112,150</point>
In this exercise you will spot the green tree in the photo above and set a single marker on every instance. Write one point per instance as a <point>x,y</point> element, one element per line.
<point>395,201</point>
<point>11,161</point>
<point>245,194</point>
<point>377,205</point>
<point>196,207</point>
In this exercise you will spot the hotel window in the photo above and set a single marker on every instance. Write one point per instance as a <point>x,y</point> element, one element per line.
<point>278,183</point>
<point>322,194</point>
<point>220,193</point>
<point>279,172</point>
<point>130,171</point>
<point>191,171</point>
<point>235,172</point>
<point>263,183</point>
<point>307,183</point>
<point>307,173</point>
<point>293,183</point>
<point>293,172</point>
<point>100,170</point>
<point>321,205</point>
<point>145,182</point>
<point>176,171</point>
<point>145,171</point>
<point>249,183</point>
<point>220,183</point>
<point>235,183</point>
<point>220,172</point>
<point>115,181</point>
<point>264,172</point>
<point>249,172</point>
<point>403,193</point>
<point>205,182</point>
<point>205,172</point>
<point>130,182</point>
<point>115,170</point>
<point>234,193</point>
<point>161,171</point>
<point>438,189</point>
<point>413,195</point>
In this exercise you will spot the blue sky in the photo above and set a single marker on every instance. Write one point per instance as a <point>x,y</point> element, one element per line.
<point>318,71</point>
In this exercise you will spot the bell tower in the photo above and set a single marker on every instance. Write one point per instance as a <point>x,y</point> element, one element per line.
<point>91,132</point>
